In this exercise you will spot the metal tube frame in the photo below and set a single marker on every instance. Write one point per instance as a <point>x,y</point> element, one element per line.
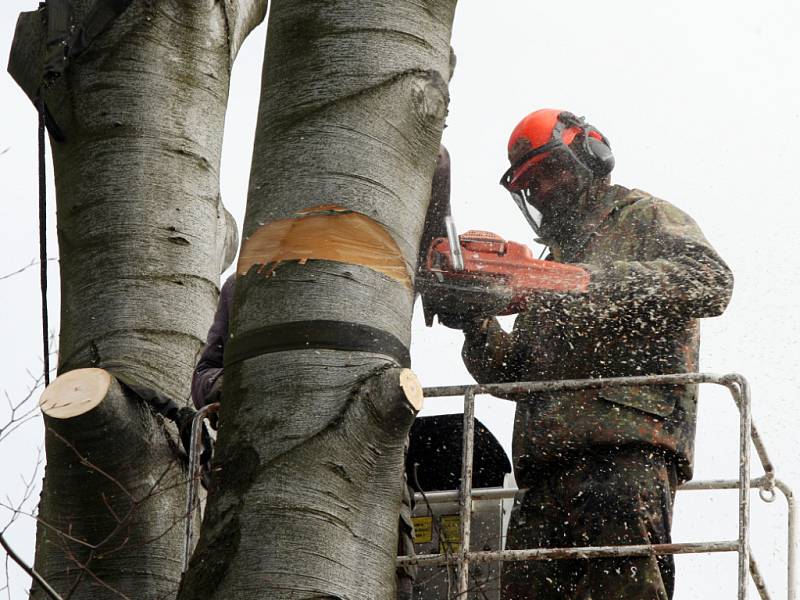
<point>740,391</point>
<point>465,498</point>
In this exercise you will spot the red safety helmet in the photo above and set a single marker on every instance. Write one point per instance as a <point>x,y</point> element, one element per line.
<point>553,138</point>
<point>544,133</point>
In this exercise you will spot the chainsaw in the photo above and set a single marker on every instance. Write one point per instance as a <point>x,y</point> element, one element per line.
<point>480,273</point>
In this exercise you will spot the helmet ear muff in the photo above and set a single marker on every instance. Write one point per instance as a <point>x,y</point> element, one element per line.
<point>592,152</point>
<point>596,155</point>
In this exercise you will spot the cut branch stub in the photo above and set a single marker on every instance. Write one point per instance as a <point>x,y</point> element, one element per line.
<point>112,489</point>
<point>75,393</point>
<point>412,388</point>
<point>396,395</point>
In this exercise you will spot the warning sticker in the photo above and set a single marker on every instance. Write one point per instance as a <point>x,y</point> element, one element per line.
<point>450,526</point>
<point>423,529</point>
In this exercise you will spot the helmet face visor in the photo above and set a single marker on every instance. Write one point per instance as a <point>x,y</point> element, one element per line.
<point>515,177</point>
<point>553,179</point>
<point>550,170</point>
<point>531,214</point>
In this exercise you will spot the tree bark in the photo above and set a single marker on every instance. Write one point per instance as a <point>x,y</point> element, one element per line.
<point>113,493</point>
<point>308,474</point>
<point>143,237</point>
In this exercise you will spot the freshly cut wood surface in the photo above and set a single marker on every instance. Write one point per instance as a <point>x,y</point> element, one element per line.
<point>412,388</point>
<point>326,232</point>
<point>75,393</point>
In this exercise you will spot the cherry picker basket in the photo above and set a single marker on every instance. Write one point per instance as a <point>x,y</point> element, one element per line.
<point>433,466</point>
<point>470,561</point>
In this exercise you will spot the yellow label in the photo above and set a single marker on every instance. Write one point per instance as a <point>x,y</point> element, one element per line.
<point>450,526</point>
<point>423,529</point>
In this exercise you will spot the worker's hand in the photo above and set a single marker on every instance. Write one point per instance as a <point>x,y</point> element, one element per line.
<point>215,393</point>
<point>451,321</point>
<point>184,420</point>
<point>478,326</point>
<point>463,322</point>
<point>461,307</point>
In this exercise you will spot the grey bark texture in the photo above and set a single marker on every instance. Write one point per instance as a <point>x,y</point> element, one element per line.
<point>143,237</point>
<point>308,474</point>
<point>111,502</point>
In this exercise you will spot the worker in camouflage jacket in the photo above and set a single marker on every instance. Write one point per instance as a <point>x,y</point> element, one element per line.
<point>601,466</point>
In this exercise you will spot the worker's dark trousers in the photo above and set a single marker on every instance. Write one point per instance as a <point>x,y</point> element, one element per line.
<point>603,498</point>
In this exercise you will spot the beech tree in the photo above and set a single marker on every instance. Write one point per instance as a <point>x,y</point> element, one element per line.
<point>307,485</point>
<point>136,124</point>
<point>316,402</point>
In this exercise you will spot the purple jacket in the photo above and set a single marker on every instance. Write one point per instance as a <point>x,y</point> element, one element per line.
<point>209,367</point>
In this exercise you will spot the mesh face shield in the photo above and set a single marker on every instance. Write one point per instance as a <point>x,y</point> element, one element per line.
<point>558,171</point>
<point>544,176</point>
<point>531,214</point>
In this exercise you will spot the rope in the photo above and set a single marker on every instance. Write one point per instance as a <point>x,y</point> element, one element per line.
<point>43,242</point>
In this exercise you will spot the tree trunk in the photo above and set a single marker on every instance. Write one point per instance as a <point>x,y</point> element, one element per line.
<point>306,498</point>
<point>143,237</point>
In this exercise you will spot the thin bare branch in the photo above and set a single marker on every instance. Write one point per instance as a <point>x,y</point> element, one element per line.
<point>104,584</point>
<point>19,413</point>
<point>57,531</point>
<point>87,463</point>
<point>83,568</point>
<point>30,265</point>
<point>98,550</point>
<point>29,487</point>
<point>28,569</point>
<point>7,586</point>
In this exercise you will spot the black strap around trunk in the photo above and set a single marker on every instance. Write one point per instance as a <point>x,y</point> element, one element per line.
<point>321,334</point>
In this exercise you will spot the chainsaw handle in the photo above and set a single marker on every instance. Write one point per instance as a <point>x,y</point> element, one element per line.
<point>455,245</point>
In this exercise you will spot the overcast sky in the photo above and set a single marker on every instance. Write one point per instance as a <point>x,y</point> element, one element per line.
<point>701,102</point>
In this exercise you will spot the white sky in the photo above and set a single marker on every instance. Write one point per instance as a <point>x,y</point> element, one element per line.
<point>701,102</point>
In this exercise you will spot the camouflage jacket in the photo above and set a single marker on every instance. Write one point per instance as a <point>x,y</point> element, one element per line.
<point>653,276</point>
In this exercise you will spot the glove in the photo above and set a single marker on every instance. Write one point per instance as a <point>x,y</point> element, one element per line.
<point>463,322</point>
<point>184,419</point>
<point>181,416</point>
<point>459,304</point>
<point>215,395</point>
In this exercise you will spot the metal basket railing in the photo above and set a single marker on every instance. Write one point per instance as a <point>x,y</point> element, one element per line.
<point>748,436</point>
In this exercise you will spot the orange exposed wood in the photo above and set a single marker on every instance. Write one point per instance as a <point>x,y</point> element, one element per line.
<point>326,232</point>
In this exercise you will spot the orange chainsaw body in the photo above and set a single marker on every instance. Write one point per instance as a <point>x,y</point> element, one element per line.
<point>490,260</point>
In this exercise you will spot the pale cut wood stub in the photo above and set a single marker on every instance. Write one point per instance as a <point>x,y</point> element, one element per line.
<point>75,393</point>
<point>412,388</point>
